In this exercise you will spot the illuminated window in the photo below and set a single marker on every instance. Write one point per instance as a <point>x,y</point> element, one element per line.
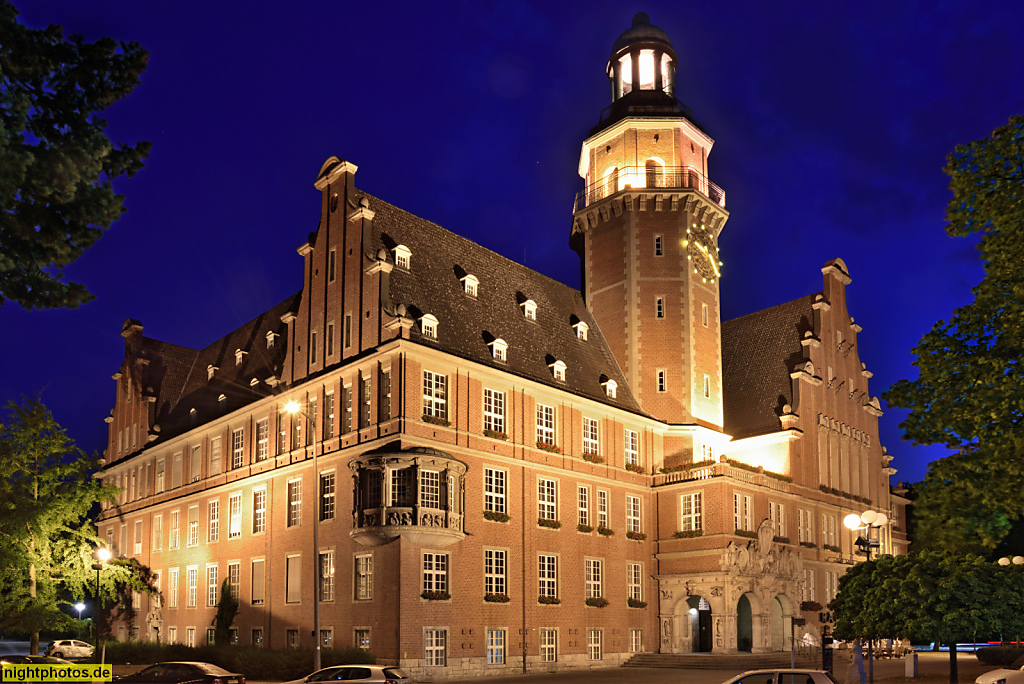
<point>213,521</point>
<point>558,370</point>
<point>690,512</point>
<point>428,326</point>
<point>494,490</point>
<point>294,503</point>
<point>610,388</point>
<point>259,511</point>
<point>548,645</point>
<point>327,575</point>
<point>235,515</point>
<point>581,330</point>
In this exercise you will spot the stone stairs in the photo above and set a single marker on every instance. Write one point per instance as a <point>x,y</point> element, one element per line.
<point>709,661</point>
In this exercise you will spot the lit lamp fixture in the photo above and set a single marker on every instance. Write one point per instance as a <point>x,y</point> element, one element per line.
<point>293,407</point>
<point>1016,560</point>
<point>867,521</point>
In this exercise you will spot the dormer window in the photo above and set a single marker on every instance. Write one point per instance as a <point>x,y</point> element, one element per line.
<point>469,285</point>
<point>193,418</point>
<point>581,330</point>
<point>499,350</point>
<point>222,402</point>
<point>402,256</point>
<point>210,371</point>
<point>428,326</point>
<point>254,382</point>
<point>610,388</point>
<point>271,338</point>
<point>558,370</point>
<point>239,356</point>
<point>529,309</point>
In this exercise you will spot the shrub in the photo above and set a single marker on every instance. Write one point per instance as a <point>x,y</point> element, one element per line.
<point>434,420</point>
<point>749,534</point>
<point>496,516</point>
<point>809,545</point>
<point>781,540</point>
<point>1004,656</point>
<point>831,547</point>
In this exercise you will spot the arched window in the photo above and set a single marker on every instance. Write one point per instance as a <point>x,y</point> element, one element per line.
<point>655,176</point>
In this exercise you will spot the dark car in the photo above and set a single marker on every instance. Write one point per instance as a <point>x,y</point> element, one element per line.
<point>182,673</point>
<point>32,660</point>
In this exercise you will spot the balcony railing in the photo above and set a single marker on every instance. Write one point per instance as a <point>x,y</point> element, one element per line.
<point>644,178</point>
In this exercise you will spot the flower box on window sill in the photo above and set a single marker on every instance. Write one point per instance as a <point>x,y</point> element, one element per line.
<point>435,595</point>
<point>549,600</point>
<point>496,598</point>
<point>688,534</point>
<point>750,534</point>
<point>635,468</point>
<point>605,531</point>
<point>553,524</point>
<point>831,547</point>
<point>637,603</point>
<point>688,466</point>
<point>593,458</point>
<point>550,448</point>
<point>434,420</point>
<point>809,545</point>
<point>810,605</point>
<point>495,516</point>
<point>780,539</point>
<point>494,434</point>
<point>587,529</point>
<point>597,601</point>
<point>637,536</point>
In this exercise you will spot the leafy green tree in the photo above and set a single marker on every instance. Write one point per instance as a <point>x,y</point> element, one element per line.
<point>227,609</point>
<point>56,189</point>
<point>47,491</point>
<point>969,394</point>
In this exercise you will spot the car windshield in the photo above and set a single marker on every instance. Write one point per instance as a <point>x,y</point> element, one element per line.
<point>210,668</point>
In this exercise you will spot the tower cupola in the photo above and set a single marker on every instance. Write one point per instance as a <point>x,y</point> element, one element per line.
<point>642,59</point>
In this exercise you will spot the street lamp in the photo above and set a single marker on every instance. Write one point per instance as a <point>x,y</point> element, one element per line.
<point>1016,560</point>
<point>102,556</point>
<point>867,521</point>
<point>293,407</point>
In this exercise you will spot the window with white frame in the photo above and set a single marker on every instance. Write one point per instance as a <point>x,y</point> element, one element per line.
<point>329,415</point>
<point>160,476</point>
<point>262,439</point>
<point>213,521</point>
<point>428,326</point>
<point>435,571</point>
<point>435,395</point>
<point>583,505</point>
<point>494,490</point>
<point>581,330</point>
<point>547,499</point>
<point>212,590</point>
<point>558,370</point>
<point>662,380</point>
<point>327,575</point>
<point>632,513</point>
<point>741,512</point>
<point>548,645</point>
<point>364,577</point>
<point>634,585</point>
<point>547,575</point>
<point>495,646</point>
<point>327,496</point>
<point>777,514</point>
<point>545,424</point>
<point>175,540</point>
<point>831,586</point>
<point>494,410</point>
<point>593,578</point>
<point>215,451</point>
<point>158,532</point>
<point>690,512</point>
<point>631,446</point>
<point>172,588</point>
<point>499,350</point>
<point>259,511</point>
<point>828,529</point>
<point>193,526</point>
<point>362,639</point>
<point>529,308</point>
<point>271,338</point>
<point>808,592</point>
<point>495,561</point>
<point>470,283</point>
<point>805,526</point>
<point>403,255</point>
<point>234,581</point>
<point>191,585</point>
<point>435,647</point>
<point>636,641</point>
<point>659,307</point>
<point>602,508</point>
<point>591,436</point>
<point>235,515</point>
<point>594,650</point>
<point>195,467</point>
<point>611,388</point>
<point>138,537</point>
<point>430,489</point>
<point>237,448</point>
<point>294,503</point>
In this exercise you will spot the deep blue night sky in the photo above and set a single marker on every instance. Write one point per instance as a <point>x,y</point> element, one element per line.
<point>831,122</point>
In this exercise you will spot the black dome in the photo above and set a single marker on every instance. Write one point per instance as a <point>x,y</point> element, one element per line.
<point>642,31</point>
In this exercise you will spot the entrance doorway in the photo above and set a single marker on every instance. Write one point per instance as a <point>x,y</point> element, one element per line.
<point>744,625</point>
<point>778,626</point>
<point>700,623</point>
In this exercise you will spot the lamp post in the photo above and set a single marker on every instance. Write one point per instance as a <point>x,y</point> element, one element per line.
<point>102,556</point>
<point>867,521</point>
<point>293,407</point>
<point>1005,562</point>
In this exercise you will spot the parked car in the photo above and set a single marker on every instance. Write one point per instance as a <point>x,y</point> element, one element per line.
<point>1002,676</point>
<point>783,676</point>
<point>182,673</point>
<point>368,674</point>
<point>32,660</point>
<point>69,648</point>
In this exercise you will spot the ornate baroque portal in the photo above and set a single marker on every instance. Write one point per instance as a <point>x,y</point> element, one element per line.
<point>747,606</point>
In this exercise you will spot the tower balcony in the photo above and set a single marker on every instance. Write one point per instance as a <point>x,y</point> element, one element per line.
<point>649,178</point>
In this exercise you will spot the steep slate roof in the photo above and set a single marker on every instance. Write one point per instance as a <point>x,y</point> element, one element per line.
<point>433,285</point>
<point>759,351</point>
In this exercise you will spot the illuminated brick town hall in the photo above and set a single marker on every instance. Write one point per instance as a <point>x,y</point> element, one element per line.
<point>469,464</point>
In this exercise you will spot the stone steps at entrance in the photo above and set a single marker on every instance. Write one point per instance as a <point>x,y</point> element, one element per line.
<point>716,661</point>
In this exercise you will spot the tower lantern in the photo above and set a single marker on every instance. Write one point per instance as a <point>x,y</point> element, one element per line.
<point>642,59</point>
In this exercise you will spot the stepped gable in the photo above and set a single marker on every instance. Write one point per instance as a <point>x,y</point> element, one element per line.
<point>433,285</point>
<point>759,351</point>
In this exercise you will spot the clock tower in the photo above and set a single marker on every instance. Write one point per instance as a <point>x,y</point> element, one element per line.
<point>646,227</point>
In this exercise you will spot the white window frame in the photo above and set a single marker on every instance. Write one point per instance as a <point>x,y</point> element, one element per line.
<point>495,571</point>
<point>363,590</point>
<point>235,515</point>
<point>499,350</point>
<point>662,380</point>
<point>547,498</point>
<point>545,424</point>
<point>547,575</point>
<point>593,577</point>
<point>435,646</point>
<point>294,489</point>
<point>172,588</point>
<point>494,410</point>
<point>403,257</point>
<point>495,486</point>
<point>634,512</point>
<point>691,513</point>
<point>583,505</point>
<point>212,586</point>
<point>428,326</point>
<point>435,395</point>
<point>631,446</point>
<point>558,370</point>
<point>548,645</point>
<point>470,285</point>
<point>741,511</point>
<point>259,510</point>
<point>594,644</point>
<point>591,436</point>
<point>434,571</point>
<point>529,308</point>
<point>634,581</point>
<point>262,439</point>
<point>326,571</point>
<point>237,448</point>
<point>581,330</point>
<point>191,585</point>
<point>602,508</point>
<point>212,520</point>
<point>495,647</point>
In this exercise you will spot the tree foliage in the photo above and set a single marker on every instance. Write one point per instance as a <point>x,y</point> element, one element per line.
<point>227,609</point>
<point>56,189</point>
<point>969,394</point>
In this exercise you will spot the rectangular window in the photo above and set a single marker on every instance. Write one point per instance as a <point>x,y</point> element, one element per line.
<point>259,511</point>
<point>215,449</point>
<point>435,651</point>
<point>494,571</point>
<point>494,490</point>
<point>160,476</point>
<point>777,514</point>
<point>327,575</point>
<point>293,579</point>
<point>831,586</point>
<point>547,576</point>
<point>633,513</point>
<point>327,495</point>
<point>172,588</point>
<point>602,508</point>
<point>704,315</point>
<point>312,346</point>
<point>430,489</point>
<point>190,637</point>
<point>259,578</point>
<point>805,526</point>
<point>175,471</point>
<point>494,410</point>
<point>707,386</point>
<point>292,638</point>
<point>364,412</point>
<point>401,493</point>
<point>741,514</point>
<point>282,433</point>
<point>690,512</point>
<point>195,466</point>
<point>237,448</point>
<point>330,339</point>
<point>257,636</point>
<point>583,505</point>
<point>364,578</point>
<point>193,525</point>
<point>297,430</point>
<point>175,540</point>
<point>262,439</point>
<point>384,405</point>
<point>348,331</point>
<point>332,265</point>
<point>659,307</point>
<point>363,639</point>
<point>329,415</point>
<point>593,578</point>
<point>545,424</point>
<point>547,499</point>
<point>294,503</point>
<point>234,581</point>
<point>594,644</point>
<point>548,645</point>
<point>213,521</point>
<point>636,641</point>
<point>435,571</point>
<point>346,416</point>
<point>662,380</point>
<point>631,442</point>
<point>634,571</point>
<point>495,647</point>
<point>172,635</point>
<point>138,537</point>
<point>235,514</point>
<point>191,581</point>
<point>212,590</point>
<point>808,592</point>
<point>158,532</point>
<point>659,246</point>
<point>211,635</point>
<point>591,438</point>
